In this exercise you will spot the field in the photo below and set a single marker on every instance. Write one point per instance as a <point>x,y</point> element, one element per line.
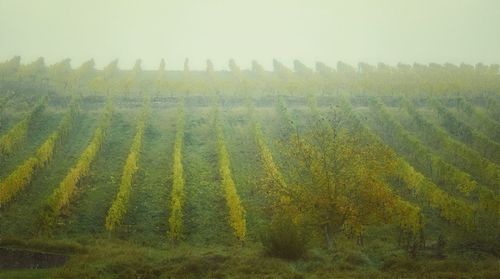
<point>144,174</point>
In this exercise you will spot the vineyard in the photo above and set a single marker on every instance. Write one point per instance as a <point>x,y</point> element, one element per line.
<point>295,172</point>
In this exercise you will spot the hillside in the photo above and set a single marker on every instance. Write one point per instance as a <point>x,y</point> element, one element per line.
<point>378,171</point>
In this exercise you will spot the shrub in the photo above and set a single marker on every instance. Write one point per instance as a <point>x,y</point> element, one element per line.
<point>284,239</point>
<point>356,258</point>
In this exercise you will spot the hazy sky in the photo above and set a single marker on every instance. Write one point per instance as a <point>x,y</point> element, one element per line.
<point>372,31</point>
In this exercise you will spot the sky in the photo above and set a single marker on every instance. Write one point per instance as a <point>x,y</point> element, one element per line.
<point>371,31</point>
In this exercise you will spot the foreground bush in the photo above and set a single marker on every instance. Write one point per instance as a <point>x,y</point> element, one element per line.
<point>284,239</point>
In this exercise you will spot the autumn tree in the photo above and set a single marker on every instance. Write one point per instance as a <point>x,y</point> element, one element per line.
<point>336,177</point>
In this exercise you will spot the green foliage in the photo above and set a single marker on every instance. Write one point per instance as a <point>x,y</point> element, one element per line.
<point>285,239</point>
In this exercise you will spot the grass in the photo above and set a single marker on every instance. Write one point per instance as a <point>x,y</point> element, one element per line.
<point>123,260</point>
<point>113,258</point>
<point>146,220</point>
<point>246,168</point>
<point>206,212</point>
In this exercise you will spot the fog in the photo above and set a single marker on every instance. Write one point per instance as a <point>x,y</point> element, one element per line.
<point>388,31</point>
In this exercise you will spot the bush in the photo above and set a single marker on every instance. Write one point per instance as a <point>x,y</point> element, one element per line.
<point>400,264</point>
<point>284,239</point>
<point>356,258</point>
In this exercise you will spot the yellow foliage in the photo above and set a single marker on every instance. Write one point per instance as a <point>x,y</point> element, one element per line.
<point>62,195</point>
<point>278,192</point>
<point>17,180</point>
<point>177,200</point>
<point>45,151</point>
<point>236,210</point>
<point>14,136</point>
<point>118,208</point>
<point>22,176</point>
<point>17,134</point>
<point>453,210</point>
<point>337,179</point>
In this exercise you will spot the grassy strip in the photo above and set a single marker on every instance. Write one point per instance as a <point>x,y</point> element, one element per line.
<point>236,210</point>
<point>118,208</point>
<point>175,220</point>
